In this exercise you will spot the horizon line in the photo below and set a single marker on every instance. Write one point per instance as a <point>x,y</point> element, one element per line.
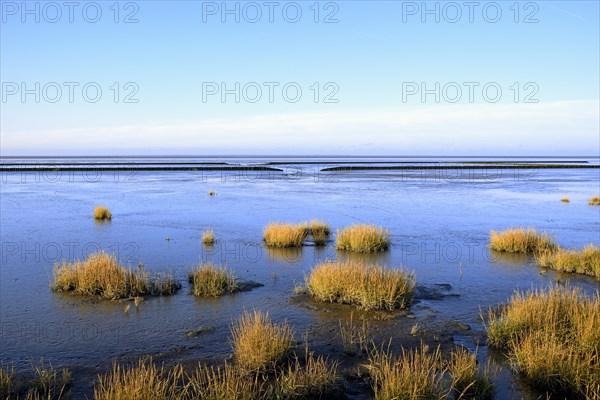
<point>290,156</point>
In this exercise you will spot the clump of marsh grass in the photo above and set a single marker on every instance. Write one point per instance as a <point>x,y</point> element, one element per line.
<point>552,338</point>
<point>210,281</point>
<point>208,237</point>
<point>101,275</point>
<point>468,381</point>
<point>594,201</point>
<point>363,238</point>
<point>422,374</point>
<point>414,374</point>
<point>585,261</point>
<point>285,235</point>
<point>258,344</point>
<point>320,232</point>
<point>355,338</point>
<point>226,382</point>
<point>312,379</point>
<point>102,213</point>
<point>319,227</point>
<point>368,287</point>
<point>565,199</point>
<point>140,382</point>
<point>521,240</point>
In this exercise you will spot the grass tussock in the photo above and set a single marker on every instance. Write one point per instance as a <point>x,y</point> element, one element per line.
<point>102,213</point>
<point>208,237</point>
<point>225,382</point>
<point>209,280</point>
<point>553,339</point>
<point>140,382</point>
<point>314,377</point>
<point>319,227</point>
<point>258,344</point>
<point>422,374</point>
<point>320,231</point>
<point>565,199</point>
<point>585,261</point>
<point>101,275</point>
<point>368,287</point>
<point>468,380</point>
<point>285,235</point>
<point>521,240</point>
<point>363,238</point>
<point>594,201</point>
<point>414,374</point>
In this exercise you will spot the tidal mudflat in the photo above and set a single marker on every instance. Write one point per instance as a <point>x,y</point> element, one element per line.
<point>436,224</point>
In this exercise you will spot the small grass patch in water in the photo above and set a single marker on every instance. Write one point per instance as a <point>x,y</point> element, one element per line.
<point>363,238</point>
<point>368,287</point>
<point>417,374</point>
<point>521,240</point>
<point>285,235</point>
<point>208,280</point>
<point>314,378</point>
<point>594,201</point>
<point>208,237</point>
<point>565,199</point>
<point>320,232</point>
<point>259,344</point>
<point>102,213</point>
<point>552,338</point>
<point>310,378</point>
<point>101,275</point>
<point>468,380</point>
<point>585,261</point>
<point>139,382</point>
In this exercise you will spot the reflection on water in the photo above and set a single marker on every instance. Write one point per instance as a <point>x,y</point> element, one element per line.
<point>285,255</point>
<point>381,258</point>
<point>510,259</point>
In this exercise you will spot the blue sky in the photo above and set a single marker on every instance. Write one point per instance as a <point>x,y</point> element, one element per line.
<point>372,58</point>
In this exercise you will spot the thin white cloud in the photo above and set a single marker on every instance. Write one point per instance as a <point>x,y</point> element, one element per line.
<point>562,10</point>
<point>565,127</point>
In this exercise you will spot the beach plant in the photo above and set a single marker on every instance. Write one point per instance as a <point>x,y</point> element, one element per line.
<point>102,213</point>
<point>363,238</point>
<point>101,275</point>
<point>552,338</point>
<point>259,344</point>
<point>208,280</point>
<point>285,235</point>
<point>369,287</point>
<point>208,237</point>
<point>585,261</point>
<point>521,240</point>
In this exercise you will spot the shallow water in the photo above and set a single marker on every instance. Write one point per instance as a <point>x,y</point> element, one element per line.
<point>439,223</point>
